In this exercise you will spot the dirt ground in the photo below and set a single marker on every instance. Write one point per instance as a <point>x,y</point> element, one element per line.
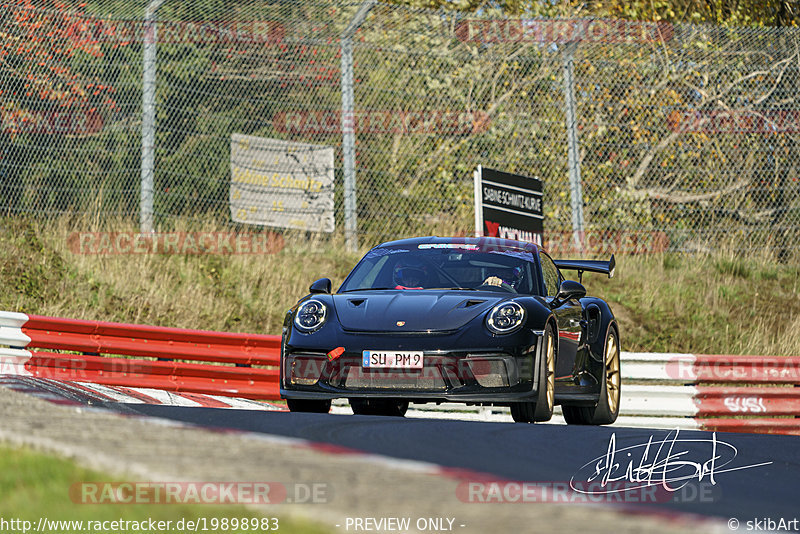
<point>149,450</point>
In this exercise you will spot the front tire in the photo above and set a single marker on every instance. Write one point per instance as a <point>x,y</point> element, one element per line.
<point>541,409</point>
<point>607,408</point>
<point>309,405</point>
<point>385,407</point>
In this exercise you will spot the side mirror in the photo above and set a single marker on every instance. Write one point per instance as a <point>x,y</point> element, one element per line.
<point>570,289</point>
<point>323,285</point>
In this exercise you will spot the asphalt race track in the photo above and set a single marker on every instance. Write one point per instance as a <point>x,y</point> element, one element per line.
<point>549,453</point>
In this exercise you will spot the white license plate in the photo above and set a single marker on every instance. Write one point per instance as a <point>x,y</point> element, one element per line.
<point>391,359</point>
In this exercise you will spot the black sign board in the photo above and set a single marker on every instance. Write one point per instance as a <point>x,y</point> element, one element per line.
<point>508,206</point>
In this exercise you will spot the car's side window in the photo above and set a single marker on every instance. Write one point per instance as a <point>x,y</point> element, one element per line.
<point>552,278</point>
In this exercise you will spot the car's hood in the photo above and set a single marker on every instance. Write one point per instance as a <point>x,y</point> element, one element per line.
<point>411,310</point>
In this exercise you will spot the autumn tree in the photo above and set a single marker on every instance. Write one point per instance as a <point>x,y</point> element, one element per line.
<point>53,90</point>
<point>740,12</point>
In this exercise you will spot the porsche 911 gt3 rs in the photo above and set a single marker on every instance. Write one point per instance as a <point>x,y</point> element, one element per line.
<point>473,320</point>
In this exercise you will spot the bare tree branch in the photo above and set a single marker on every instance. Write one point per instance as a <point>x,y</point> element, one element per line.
<point>683,198</point>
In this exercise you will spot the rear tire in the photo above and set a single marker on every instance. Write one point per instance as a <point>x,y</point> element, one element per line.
<point>541,409</point>
<point>385,407</point>
<point>607,408</point>
<point>309,405</point>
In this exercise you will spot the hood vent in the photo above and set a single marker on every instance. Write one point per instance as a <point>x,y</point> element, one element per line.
<point>422,311</point>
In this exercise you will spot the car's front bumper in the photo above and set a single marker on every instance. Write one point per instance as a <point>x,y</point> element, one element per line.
<point>500,374</point>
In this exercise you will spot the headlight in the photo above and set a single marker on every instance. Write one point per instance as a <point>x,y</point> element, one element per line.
<point>506,318</point>
<point>310,315</point>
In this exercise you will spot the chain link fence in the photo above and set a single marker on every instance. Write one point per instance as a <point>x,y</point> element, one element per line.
<point>684,135</point>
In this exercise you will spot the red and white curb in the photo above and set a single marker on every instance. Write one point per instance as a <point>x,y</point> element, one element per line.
<point>659,390</point>
<point>83,393</point>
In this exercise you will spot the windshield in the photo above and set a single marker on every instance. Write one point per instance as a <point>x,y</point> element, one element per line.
<point>443,265</point>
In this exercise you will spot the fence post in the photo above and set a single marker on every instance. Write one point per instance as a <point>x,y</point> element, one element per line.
<point>148,116</point>
<point>573,150</point>
<point>348,127</point>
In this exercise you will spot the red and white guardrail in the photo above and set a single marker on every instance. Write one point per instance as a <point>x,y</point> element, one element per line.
<point>711,392</point>
<point>193,361</point>
<point>687,391</point>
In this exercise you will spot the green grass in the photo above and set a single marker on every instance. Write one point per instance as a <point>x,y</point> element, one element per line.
<point>34,485</point>
<point>720,303</point>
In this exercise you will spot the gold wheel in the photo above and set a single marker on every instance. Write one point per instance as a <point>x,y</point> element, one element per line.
<point>551,373</point>
<point>612,373</point>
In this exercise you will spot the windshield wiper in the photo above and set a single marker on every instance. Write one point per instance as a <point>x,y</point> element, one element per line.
<point>410,288</point>
<point>454,288</point>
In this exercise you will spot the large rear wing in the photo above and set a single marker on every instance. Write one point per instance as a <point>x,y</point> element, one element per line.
<point>592,266</point>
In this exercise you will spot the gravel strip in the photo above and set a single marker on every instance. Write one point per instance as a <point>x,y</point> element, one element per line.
<point>144,449</point>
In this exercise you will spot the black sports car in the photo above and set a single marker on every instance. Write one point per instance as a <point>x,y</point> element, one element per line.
<point>474,320</point>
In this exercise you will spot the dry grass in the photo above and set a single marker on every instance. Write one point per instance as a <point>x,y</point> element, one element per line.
<point>723,303</point>
<point>248,292</point>
<point>720,303</point>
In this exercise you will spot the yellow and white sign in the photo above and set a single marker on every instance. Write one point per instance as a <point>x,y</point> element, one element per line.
<point>281,183</point>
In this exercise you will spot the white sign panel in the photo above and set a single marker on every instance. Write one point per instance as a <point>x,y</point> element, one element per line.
<point>281,183</point>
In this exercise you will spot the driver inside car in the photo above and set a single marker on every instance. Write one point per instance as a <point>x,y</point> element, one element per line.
<point>512,279</point>
<point>410,275</point>
<point>493,281</point>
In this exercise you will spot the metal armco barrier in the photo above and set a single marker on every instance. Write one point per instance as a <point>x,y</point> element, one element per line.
<point>686,391</point>
<point>714,392</point>
<point>691,391</point>
<point>194,361</point>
